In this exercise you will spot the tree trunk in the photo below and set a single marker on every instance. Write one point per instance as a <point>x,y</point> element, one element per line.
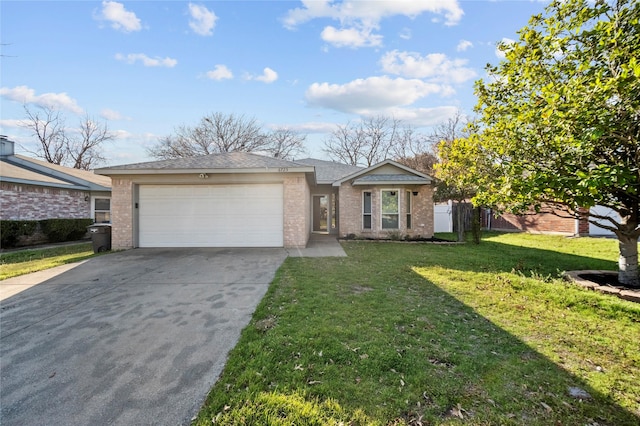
<point>476,225</point>
<point>628,261</point>
<point>460,220</point>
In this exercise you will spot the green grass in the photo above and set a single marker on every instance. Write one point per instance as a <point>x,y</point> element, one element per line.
<point>401,333</point>
<point>16,263</point>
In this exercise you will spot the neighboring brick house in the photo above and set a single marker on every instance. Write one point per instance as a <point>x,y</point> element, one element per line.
<point>32,189</point>
<point>544,222</point>
<point>247,200</point>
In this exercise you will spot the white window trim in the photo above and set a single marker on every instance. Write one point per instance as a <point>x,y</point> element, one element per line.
<point>93,205</point>
<point>363,212</point>
<point>408,208</point>
<point>397,191</point>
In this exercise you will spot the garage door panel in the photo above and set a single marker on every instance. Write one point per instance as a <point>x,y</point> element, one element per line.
<point>211,215</point>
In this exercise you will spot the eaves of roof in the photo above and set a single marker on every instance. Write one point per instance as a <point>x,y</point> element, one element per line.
<point>396,179</point>
<point>28,171</point>
<point>210,164</point>
<point>426,179</point>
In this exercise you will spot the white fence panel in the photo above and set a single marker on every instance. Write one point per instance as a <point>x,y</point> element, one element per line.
<point>442,218</point>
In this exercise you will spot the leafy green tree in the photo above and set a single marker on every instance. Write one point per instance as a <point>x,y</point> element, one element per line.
<point>458,170</point>
<point>560,119</point>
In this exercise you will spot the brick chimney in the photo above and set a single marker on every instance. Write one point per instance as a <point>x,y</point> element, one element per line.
<point>7,147</point>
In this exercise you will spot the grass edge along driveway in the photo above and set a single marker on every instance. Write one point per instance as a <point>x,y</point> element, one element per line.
<point>21,262</point>
<point>437,334</point>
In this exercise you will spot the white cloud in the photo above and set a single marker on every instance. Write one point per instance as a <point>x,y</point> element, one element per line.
<point>268,76</point>
<point>220,72</point>
<point>405,34</point>
<point>370,13</point>
<point>309,127</point>
<point>147,61</point>
<point>435,66</point>
<point>121,134</point>
<point>350,37</point>
<point>120,18</point>
<point>11,123</point>
<point>420,117</point>
<point>363,96</point>
<point>109,114</point>
<point>506,42</point>
<point>463,45</point>
<point>202,20</point>
<point>26,95</point>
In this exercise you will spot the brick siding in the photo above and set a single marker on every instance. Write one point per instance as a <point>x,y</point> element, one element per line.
<point>31,202</point>
<point>350,207</point>
<point>121,214</point>
<point>297,211</point>
<point>536,223</point>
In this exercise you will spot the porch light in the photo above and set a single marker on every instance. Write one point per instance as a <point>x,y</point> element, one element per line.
<point>415,193</point>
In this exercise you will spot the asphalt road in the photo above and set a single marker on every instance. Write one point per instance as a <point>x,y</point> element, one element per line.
<point>129,338</point>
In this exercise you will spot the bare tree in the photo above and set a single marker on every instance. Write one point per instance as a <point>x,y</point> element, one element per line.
<point>285,143</point>
<point>454,128</point>
<point>80,149</point>
<point>415,150</point>
<point>47,126</point>
<point>84,149</point>
<point>364,143</point>
<point>217,132</point>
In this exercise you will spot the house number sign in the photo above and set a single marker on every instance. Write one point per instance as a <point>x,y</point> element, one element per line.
<point>283,169</point>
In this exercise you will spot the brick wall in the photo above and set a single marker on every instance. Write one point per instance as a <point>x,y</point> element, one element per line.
<point>121,214</point>
<point>297,211</point>
<point>30,202</point>
<point>537,223</point>
<point>350,208</point>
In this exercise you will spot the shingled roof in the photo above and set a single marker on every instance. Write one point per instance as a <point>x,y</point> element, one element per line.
<point>26,170</point>
<point>226,161</point>
<point>328,172</point>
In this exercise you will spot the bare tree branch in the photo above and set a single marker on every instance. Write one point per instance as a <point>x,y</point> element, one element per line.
<point>214,133</point>
<point>84,150</point>
<point>47,126</point>
<point>57,145</point>
<point>285,143</point>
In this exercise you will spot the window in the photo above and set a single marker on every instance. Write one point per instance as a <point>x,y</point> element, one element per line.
<point>390,210</point>
<point>102,210</point>
<point>408,207</point>
<point>366,210</point>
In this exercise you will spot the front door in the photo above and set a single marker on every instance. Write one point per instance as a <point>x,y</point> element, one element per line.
<point>321,213</point>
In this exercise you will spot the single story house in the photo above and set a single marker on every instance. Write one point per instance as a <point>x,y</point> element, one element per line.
<point>32,189</point>
<point>241,199</point>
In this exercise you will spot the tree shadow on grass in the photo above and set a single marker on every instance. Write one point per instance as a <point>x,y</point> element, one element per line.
<point>498,358</point>
<point>380,331</point>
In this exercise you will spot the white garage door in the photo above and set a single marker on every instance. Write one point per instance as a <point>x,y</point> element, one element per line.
<point>211,215</point>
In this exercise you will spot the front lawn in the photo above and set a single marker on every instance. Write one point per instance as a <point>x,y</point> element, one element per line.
<point>15,263</point>
<point>415,334</point>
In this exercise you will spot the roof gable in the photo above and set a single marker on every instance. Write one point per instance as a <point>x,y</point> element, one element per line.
<point>386,172</point>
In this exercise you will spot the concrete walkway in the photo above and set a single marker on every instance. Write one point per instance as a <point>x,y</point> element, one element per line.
<point>320,245</point>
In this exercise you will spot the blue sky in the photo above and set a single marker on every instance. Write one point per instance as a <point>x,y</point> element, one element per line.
<point>147,67</point>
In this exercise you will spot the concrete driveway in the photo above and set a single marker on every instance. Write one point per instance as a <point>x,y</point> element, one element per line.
<point>130,338</point>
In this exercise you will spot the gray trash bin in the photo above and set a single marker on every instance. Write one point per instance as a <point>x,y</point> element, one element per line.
<point>100,236</point>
